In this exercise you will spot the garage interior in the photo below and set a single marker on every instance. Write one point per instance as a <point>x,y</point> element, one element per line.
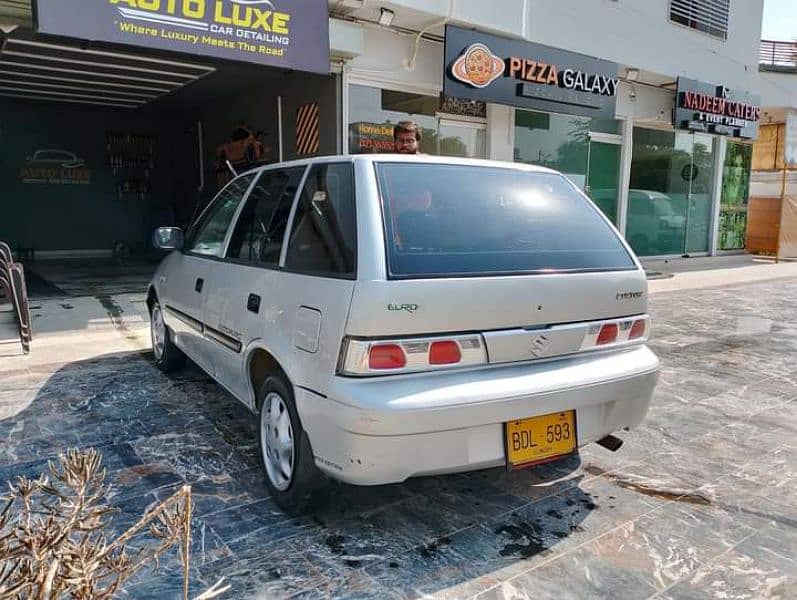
<point>100,144</point>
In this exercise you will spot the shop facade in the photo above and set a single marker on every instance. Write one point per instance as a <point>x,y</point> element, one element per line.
<point>135,118</point>
<point>669,165</point>
<point>673,177</point>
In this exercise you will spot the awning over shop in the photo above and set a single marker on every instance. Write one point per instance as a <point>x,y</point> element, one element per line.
<point>33,69</point>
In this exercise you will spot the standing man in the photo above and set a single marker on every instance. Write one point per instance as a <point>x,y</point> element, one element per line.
<point>407,138</point>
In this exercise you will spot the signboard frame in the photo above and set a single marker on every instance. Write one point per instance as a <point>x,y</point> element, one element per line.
<point>716,109</point>
<point>291,34</point>
<point>488,68</point>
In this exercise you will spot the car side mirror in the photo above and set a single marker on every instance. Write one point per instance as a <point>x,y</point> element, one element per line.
<point>168,238</point>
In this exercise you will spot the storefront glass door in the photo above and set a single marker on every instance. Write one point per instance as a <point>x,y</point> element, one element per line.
<point>735,194</point>
<point>669,201</point>
<point>586,151</point>
<point>698,217</point>
<point>374,112</point>
<point>603,176</point>
<point>560,142</point>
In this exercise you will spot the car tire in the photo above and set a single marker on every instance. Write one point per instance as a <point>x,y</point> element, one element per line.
<point>168,357</point>
<point>291,476</point>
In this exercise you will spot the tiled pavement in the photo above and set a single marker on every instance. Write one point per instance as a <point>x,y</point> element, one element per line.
<point>701,501</point>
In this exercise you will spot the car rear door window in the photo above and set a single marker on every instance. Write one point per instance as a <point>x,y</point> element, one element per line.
<point>324,231</point>
<point>207,236</point>
<point>260,230</point>
<point>462,220</point>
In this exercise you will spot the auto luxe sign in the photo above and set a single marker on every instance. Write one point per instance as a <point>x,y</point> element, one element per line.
<point>293,34</point>
<point>716,109</point>
<point>493,69</point>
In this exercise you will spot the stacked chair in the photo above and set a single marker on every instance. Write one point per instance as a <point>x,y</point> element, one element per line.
<point>12,286</point>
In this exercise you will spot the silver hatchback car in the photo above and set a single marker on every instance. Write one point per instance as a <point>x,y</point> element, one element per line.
<point>394,316</point>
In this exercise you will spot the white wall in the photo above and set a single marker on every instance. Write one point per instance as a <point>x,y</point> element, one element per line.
<point>778,89</point>
<point>636,33</point>
<point>503,17</point>
<point>385,57</point>
<point>644,103</point>
<point>639,33</point>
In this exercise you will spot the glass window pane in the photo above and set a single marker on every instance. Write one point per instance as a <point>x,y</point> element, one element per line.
<point>324,234</point>
<point>604,176</point>
<point>462,139</point>
<point>208,234</point>
<point>660,173</point>
<point>700,193</point>
<point>528,222</point>
<point>261,227</point>
<point>605,126</point>
<point>735,194</point>
<point>556,141</point>
<point>373,112</point>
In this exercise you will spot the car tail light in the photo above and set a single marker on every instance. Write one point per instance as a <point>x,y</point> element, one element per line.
<point>638,329</point>
<point>386,356</point>
<point>413,355</point>
<point>616,332</point>
<point>608,334</point>
<point>444,353</point>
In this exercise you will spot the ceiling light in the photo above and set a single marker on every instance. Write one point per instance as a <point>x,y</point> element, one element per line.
<point>386,17</point>
<point>632,74</point>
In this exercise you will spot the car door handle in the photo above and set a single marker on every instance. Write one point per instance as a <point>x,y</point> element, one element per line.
<point>253,303</point>
<point>198,285</point>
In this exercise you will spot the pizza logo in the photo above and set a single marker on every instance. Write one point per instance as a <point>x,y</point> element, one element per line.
<point>478,66</point>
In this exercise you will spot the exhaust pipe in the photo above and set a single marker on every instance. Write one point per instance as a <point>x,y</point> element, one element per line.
<point>610,442</point>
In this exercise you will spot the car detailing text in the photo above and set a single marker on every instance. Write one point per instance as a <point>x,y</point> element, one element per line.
<point>217,23</point>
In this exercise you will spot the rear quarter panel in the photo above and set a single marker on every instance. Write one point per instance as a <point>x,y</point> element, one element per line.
<point>282,319</point>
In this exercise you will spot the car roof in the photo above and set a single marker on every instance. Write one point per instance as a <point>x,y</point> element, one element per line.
<point>406,158</point>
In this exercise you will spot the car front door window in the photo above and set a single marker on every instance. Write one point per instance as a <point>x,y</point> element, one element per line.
<point>211,230</point>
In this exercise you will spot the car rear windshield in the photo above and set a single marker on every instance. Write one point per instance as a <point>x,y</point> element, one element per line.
<point>463,220</point>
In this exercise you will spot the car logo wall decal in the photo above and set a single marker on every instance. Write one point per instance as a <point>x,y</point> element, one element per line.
<point>478,66</point>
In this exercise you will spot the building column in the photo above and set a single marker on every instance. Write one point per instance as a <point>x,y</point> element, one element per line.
<point>500,132</point>
<point>627,130</point>
<point>720,147</point>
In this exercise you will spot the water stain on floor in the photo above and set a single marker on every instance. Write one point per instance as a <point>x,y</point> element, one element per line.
<point>674,495</point>
<point>526,540</point>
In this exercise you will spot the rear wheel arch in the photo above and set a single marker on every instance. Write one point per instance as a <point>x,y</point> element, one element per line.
<point>260,365</point>
<point>152,298</point>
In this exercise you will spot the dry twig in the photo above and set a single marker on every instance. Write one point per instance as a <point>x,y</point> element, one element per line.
<point>52,534</point>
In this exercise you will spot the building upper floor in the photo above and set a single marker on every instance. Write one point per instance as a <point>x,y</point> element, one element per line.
<point>708,40</point>
<point>778,78</point>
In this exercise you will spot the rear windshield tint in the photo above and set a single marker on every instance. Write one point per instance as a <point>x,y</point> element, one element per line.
<point>449,220</point>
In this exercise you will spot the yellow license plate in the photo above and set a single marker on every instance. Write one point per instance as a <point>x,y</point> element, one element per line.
<point>538,439</point>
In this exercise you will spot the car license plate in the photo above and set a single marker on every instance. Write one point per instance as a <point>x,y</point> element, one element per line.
<point>542,438</point>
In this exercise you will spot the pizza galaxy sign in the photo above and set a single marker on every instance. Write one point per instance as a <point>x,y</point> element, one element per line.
<point>287,33</point>
<point>493,69</point>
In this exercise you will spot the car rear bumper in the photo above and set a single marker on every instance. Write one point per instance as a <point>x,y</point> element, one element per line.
<point>385,430</point>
